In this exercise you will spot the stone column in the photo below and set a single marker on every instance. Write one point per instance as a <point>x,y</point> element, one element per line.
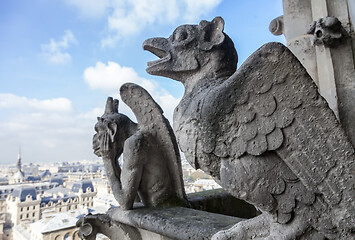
<point>331,67</point>
<point>351,6</point>
<point>326,77</point>
<point>343,64</point>
<point>297,18</point>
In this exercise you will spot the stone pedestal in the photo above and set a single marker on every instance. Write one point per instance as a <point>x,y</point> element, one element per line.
<point>217,210</point>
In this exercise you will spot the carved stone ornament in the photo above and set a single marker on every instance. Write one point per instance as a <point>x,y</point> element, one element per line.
<point>327,31</point>
<point>263,132</point>
<point>276,26</point>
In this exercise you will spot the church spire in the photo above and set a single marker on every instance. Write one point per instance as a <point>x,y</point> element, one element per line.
<point>19,176</point>
<point>19,159</point>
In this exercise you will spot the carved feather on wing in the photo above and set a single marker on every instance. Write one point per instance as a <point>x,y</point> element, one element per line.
<point>275,106</point>
<point>150,117</point>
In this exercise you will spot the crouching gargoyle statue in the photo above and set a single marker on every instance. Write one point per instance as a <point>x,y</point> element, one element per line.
<point>152,167</point>
<point>263,132</point>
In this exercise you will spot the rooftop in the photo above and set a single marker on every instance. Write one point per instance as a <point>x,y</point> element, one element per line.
<point>54,222</point>
<point>83,185</point>
<point>56,199</point>
<point>23,192</point>
<point>18,175</point>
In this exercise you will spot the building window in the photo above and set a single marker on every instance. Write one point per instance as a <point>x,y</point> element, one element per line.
<point>28,208</point>
<point>27,215</point>
<point>21,209</point>
<point>33,214</point>
<point>33,207</point>
<point>67,236</point>
<point>21,216</point>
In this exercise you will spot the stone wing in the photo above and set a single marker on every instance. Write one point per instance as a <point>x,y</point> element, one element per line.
<point>272,104</point>
<point>150,117</point>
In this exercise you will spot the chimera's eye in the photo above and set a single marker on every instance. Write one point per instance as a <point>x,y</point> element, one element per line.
<point>180,36</point>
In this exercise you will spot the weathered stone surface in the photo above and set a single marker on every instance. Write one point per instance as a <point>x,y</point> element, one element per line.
<point>263,132</point>
<point>152,167</point>
<point>211,211</point>
<point>176,223</point>
<point>155,223</point>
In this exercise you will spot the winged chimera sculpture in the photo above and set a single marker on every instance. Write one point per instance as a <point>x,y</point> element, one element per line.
<point>263,132</point>
<point>152,167</point>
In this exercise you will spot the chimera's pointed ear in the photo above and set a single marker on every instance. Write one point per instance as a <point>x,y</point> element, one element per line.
<point>99,119</point>
<point>115,105</point>
<point>212,34</point>
<point>219,23</point>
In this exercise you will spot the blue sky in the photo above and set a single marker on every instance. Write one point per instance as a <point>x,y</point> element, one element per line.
<point>60,59</point>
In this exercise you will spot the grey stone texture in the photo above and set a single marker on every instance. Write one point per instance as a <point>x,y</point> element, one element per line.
<point>152,167</point>
<point>155,223</point>
<point>330,66</point>
<point>175,222</point>
<point>216,210</point>
<point>263,132</point>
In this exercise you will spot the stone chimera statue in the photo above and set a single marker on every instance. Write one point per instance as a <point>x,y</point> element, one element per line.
<point>263,132</point>
<point>151,167</point>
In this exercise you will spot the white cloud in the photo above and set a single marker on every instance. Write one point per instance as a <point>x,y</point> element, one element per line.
<point>93,114</point>
<point>128,17</point>
<point>197,8</point>
<point>55,51</point>
<point>133,16</point>
<point>51,129</point>
<point>48,130</point>
<point>109,77</point>
<point>90,8</point>
<point>8,100</point>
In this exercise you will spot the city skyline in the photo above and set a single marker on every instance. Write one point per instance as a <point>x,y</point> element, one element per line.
<point>61,59</point>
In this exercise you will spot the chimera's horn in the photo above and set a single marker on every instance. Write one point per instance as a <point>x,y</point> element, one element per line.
<point>109,106</point>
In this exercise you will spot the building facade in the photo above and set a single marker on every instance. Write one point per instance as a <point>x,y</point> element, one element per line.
<point>27,204</point>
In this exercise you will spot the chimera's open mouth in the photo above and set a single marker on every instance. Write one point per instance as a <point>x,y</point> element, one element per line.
<point>160,48</point>
<point>160,53</point>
